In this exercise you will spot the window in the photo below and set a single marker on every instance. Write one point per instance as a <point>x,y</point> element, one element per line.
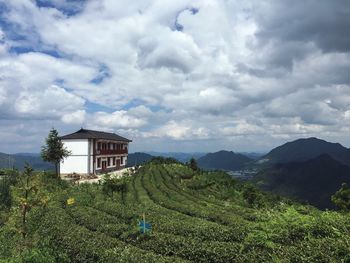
<point>99,146</point>
<point>113,161</point>
<point>98,162</point>
<point>109,161</point>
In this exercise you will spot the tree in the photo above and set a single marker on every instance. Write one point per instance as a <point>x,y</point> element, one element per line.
<point>54,151</point>
<point>341,198</point>
<point>111,185</point>
<point>252,196</point>
<point>7,179</point>
<point>193,164</point>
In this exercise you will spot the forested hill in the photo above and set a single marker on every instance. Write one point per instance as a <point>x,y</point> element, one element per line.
<point>19,160</point>
<point>190,216</point>
<point>138,158</point>
<point>223,160</point>
<point>313,181</point>
<point>305,149</point>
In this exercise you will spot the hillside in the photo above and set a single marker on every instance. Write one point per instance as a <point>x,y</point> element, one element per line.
<point>223,160</point>
<point>180,156</point>
<point>305,149</point>
<point>313,180</point>
<point>194,217</point>
<point>138,158</point>
<point>18,161</point>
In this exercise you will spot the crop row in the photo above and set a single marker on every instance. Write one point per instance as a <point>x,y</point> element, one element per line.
<point>189,248</point>
<point>177,202</point>
<point>73,243</point>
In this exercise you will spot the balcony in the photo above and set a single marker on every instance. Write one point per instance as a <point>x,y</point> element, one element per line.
<point>109,152</point>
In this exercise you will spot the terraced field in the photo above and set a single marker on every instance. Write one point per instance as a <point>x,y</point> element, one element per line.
<point>195,217</point>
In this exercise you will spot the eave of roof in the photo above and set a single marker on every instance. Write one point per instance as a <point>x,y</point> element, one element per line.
<point>91,134</point>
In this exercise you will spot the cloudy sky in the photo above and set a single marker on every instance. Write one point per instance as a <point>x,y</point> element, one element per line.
<point>184,75</point>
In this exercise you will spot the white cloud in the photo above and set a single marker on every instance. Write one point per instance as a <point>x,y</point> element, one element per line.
<point>229,72</point>
<point>76,117</point>
<point>116,120</point>
<point>53,101</point>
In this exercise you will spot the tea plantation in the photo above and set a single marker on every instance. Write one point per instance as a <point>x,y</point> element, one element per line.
<point>195,216</point>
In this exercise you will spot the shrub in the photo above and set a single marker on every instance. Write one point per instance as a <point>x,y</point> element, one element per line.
<point>341,198</point>
<point>111,185</point>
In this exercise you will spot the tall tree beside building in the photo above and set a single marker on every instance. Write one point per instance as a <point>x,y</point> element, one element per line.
<point>54,151</point>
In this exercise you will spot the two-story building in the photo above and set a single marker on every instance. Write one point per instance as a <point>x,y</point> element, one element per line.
<point>94,152</point>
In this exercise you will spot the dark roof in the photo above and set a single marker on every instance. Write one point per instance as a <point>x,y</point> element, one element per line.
<point>90,134</point>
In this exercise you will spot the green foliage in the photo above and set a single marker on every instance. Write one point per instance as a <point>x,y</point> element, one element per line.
<point>341,198</point>
<point>37,256</point>
<point>111,185</point>
<point>195,216</point>
<point>193,164</point>
<point>253,197</point>
<point>7,179</point>
<point>54,151</point>
<point>163,160</point>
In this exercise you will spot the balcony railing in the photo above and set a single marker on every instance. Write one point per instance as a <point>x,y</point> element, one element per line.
<point>105,151</point>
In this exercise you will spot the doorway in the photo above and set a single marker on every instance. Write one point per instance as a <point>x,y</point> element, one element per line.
<point>104,165</point>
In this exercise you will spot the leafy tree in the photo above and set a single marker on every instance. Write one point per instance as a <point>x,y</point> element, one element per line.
<point>8,178</point>
<point>54,151</point>
<point>193,164</point>
<point>341,198</point>
<point>111,185</point>
<point>28,193</point>
<point>252,196</point>
<point>162,160</point>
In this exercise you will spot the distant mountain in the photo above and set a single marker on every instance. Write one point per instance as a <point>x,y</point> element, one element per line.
<point>253,155</point>
<point>18,161</point>
<point>138,158</point>
<point>223,160</point>
<point>28,154</point>
<point>314,181</point>
<point>305,149</point>
<point>180,156</point>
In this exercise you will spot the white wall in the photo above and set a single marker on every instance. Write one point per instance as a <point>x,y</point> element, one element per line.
<point>74,164</point>
<point>77,162</point>
<point>77,147</point>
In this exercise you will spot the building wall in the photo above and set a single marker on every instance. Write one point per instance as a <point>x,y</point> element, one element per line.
<point>91,147</point>
<point>78,161</point>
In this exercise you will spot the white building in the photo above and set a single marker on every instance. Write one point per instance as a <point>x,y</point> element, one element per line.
<point>94,152</point>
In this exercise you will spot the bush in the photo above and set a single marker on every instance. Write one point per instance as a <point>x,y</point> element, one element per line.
<point>111,185</point>
<point>341,198</point>
<point>253,197</point>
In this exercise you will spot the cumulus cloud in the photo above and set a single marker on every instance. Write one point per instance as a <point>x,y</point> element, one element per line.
<point>178,73</point>
<point>76,117</point>
<point>116,120</point>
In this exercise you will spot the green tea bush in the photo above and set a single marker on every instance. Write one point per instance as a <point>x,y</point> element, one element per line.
<point>195,217</point>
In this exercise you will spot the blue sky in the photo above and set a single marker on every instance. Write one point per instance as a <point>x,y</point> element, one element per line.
<point>185,75</point>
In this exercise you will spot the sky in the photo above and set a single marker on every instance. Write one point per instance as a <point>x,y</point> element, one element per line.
<point>184,75</point>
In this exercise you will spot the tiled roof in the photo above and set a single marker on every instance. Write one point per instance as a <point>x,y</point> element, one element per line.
<point>90,134</point>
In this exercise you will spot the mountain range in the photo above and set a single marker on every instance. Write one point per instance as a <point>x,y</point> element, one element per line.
<point>308,169</point>
<point>313,181</point>
<point>305,149</point>
<point>138,158</point>
<point>19,160</point>
<point>223,160</point>
<point>180,156</point>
